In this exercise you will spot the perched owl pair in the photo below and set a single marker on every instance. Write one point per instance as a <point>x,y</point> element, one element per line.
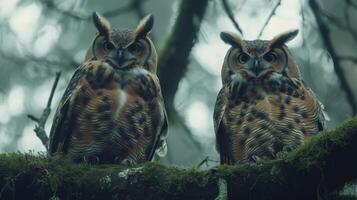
<point>113,111</point>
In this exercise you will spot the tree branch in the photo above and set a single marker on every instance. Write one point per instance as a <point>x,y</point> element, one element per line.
<point>315,170</point>
<point>348,58</point>
<point>272,13</point>
<point>41,122</point>
<point>230,15</point>
<point>88,17</point>
<point>326,38</point>
<point>174,55</point>
<point>340,24</point>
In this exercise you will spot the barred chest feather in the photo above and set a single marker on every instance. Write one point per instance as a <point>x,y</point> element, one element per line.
<point>269,118</point>
<point>117,115</point>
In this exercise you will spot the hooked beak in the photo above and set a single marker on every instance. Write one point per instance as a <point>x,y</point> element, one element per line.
<point>120,56</point>
<point>257,68</point>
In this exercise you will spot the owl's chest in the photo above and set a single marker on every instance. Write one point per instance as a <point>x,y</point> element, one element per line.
<point>125,106</point>
<point>114,122</point>
<point>281,109</point>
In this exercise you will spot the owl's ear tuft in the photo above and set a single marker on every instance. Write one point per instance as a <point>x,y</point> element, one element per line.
<point>231,39</point>
<point>102,25</point>
<point>283,38</point>
<point>145,26</point>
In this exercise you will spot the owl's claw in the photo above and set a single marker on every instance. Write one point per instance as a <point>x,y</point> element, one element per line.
<point>128,162</point>
<point>238,87</point>
<point>117,160</point>
<point>91,159</point>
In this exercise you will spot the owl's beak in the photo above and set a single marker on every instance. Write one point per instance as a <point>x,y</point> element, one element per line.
<point>123,56</point>
<point>120,56</point>
<point>257,67</point>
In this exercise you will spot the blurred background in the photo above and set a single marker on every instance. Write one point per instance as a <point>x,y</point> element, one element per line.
<point>41,37</point>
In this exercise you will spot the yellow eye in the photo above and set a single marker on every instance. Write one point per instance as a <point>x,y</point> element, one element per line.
<point>243,58</point>
<point>270,57</point>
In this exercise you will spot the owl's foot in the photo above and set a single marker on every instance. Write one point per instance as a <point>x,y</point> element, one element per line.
<point>238,88</point>
<point>127,161</point>
<point>91,159</point>
<point>285,151</point>
<point>101,76</point>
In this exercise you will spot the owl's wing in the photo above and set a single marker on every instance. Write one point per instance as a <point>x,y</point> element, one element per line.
<point>60,129</point>
<point>160,147</point>
<point>322,116</point>
<point>222,138</point>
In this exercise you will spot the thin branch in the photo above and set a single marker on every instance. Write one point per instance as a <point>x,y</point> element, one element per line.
<point>326,38</point>
<point>41,122</point>
<point>88,17</point>
<point>272,13</point>
<point>351,3</point>
<point>348,58</point>
<point>203,162</point>
<point>206,160</point>
<point>346,26</point>
<point>65,61</point>
<point>230,14</point>
<point>137,7</point>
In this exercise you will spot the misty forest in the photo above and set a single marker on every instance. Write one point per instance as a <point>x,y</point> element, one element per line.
<point>44,43</point>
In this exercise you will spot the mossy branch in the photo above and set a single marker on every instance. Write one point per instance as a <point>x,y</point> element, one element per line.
<point>314,171</point>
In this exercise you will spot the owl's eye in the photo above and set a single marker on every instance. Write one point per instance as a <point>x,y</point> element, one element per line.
<point>270,57</point>
<point>108,46</point>
<point>243,58</point>
<point>135,48</point>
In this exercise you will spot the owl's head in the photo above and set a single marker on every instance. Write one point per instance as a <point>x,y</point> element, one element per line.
<point>125,48</point>
<point>258,59</point>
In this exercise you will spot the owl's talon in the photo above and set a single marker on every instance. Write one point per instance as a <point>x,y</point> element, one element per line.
<point>91,159</point>
<point>128,162</point>
<point>117,160</point>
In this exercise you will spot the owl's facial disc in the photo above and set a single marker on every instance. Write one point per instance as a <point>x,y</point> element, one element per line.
<point>124,56</point>
<point>257,67</point>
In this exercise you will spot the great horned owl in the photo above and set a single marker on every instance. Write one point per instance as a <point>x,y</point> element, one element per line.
<point>264,106</point>
<point>112,110</point>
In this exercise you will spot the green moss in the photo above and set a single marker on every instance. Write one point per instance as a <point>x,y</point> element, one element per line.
<point>318,168</point>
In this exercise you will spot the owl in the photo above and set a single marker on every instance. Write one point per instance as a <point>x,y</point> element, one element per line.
<point>264,106</point>
<point>112,110</point>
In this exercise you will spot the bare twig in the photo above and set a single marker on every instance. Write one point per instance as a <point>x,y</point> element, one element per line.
<point>230,14</point>
<point>272,13</point>
<point>351,3</point>
<point>137,7</point>
<point>41,122</point>
<point>205,161</point>
<point>88,17</point>
<point>348,58</point>
<point>325,35</point>
<point>346,26</point>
